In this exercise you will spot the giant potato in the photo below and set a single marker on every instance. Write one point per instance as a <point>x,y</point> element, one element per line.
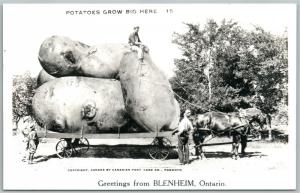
<point>148,95</point>
<point>58,104</point>
<point>61,56</point>
<point>43,77</point>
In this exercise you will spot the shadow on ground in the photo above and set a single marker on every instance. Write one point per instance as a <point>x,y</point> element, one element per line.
<point>43,158</point>
<point>222,154</point>
<point>125,151</point>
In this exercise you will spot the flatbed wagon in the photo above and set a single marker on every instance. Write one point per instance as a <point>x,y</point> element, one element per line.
<point>78,143</point>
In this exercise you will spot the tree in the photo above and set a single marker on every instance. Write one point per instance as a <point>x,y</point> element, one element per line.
<point>224,67</point>
<point>23,90</point>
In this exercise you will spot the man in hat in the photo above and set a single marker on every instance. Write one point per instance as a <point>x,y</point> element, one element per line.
<point>24,125</point>
<point>136,44</point>
<point>33,142</point>
<point>184,129</point>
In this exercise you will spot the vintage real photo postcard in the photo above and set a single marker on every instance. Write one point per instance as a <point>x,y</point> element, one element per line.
<point>149,96</point>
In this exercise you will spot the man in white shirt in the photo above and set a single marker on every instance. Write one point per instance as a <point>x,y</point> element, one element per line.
<point>184,129</point>
<point>135,43</point>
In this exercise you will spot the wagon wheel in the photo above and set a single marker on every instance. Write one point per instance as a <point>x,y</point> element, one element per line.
<point>63,149</point>
<point>160,148</point>
<point>82,146</point>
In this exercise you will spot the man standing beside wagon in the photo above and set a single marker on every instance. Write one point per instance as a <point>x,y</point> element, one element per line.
<point>184,129</point>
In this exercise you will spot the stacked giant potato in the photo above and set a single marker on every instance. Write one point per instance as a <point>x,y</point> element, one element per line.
<point>108,77</point>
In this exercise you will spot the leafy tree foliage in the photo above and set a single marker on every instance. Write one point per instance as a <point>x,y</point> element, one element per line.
<point>224,67</point>
<point>23,91</point>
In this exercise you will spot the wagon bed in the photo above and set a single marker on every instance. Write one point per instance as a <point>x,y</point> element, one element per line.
<point>158,149</point>
<point>105,135</point>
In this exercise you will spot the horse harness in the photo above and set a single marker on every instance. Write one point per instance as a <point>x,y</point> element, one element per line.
<point>229,129</point>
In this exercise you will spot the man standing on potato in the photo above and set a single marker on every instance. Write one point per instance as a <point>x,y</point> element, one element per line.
<point>136,44</point>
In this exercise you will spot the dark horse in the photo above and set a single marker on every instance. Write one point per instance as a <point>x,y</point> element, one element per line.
<point>256,117</point>
<point>221,124</point>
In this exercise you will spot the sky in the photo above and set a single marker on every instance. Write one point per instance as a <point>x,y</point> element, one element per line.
<point>27,26</point>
